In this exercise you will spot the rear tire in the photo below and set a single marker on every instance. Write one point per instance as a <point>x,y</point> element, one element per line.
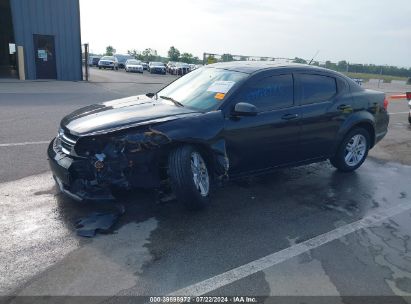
<point>409,117</point>
<point>352,151</point>
<point>189,176</point>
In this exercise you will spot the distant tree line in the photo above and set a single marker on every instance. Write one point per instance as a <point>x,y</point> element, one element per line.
<point>341,66</point>
<point>344,66</point>
<point>174,54</point>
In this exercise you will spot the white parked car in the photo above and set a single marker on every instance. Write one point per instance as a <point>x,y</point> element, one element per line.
<point>134,65</point>
<point>108,62</point>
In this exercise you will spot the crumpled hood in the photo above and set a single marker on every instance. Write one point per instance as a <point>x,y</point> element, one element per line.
<point>121,113</point>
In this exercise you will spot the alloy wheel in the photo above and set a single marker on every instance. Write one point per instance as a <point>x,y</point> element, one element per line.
<point>200,174</point>
<point>355,150</point>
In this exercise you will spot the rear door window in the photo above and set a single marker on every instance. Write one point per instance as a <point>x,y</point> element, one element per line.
<point>269,93</point>
<point>316,88</point>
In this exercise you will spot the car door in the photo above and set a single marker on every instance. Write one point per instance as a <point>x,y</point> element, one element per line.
<point>325,103</point>
<point>271,137</point>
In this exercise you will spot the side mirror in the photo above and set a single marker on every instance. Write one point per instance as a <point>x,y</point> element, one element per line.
<point>245,109</point>
<point>150,95</point>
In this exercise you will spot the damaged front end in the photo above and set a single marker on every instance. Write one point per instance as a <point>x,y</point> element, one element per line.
<point>91,167</point>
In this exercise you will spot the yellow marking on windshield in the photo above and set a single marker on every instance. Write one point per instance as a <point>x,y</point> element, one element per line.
<point>219,96</point>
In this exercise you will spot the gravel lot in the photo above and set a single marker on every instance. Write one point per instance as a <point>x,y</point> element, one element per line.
<point>307,231</point>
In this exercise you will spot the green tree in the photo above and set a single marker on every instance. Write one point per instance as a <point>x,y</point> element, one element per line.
<point>173,54</point>
<point>134,53</point>
<point>227,57</point>
<point>342,66</point>
<point>149,54</point>
<point>187,57</point>
<point>330,65</point>
<point>211,59</point>
<point>299,60</point>
<point>110,51</point>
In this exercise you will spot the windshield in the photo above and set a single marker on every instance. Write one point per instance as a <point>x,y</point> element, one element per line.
<point>133,62</point>
<point>107,58</point>
<point>157,63</point>
<point>202,89</point>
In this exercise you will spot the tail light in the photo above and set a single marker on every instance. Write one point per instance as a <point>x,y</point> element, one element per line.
<point>408,95</point>
<point>385,103</point>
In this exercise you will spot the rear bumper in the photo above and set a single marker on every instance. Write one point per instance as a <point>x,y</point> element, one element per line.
<point>135,70</point>
<point>380,136</point>
<point>381,128</point>
<point>155,71</point>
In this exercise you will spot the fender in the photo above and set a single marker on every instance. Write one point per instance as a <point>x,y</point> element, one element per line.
<point>205,131</point>
<point>361,117</point>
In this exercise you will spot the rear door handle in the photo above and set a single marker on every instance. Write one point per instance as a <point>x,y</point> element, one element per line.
<point>343,107</point>
<point>289,116</point>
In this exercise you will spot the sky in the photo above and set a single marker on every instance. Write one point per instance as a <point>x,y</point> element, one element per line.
<point>359,31</point>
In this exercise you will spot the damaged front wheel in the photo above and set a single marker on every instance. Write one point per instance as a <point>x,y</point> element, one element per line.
<point>189,176</point>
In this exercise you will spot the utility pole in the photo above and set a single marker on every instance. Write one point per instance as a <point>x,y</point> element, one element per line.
<point>379,80</point>
<point>86,60</point>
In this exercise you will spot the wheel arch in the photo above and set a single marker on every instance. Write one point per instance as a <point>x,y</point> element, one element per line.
<point>363,120</point>
<point>215,155</point>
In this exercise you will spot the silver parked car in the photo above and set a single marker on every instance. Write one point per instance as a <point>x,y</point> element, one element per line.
<point>108,62</point>
<point>134,65</point>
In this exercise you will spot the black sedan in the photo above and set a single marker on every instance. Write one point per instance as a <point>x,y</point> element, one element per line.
<point>226,120</point>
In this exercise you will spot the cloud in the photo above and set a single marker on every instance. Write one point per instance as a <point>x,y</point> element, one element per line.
<point>359,31</point>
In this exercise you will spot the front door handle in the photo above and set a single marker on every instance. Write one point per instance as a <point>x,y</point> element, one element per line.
<point>343,107</point>
<point>289,116</point>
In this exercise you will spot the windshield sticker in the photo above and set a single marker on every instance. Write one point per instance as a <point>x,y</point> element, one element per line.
<point>221,86</point>
<point>219,96</point>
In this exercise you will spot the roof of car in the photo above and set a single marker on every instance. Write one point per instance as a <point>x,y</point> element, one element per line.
<point>254,66</point>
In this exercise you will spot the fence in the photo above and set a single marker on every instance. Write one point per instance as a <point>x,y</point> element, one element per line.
<point>360,72</point>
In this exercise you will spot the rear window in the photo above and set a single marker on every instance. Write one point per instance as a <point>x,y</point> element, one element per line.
<point>316,88</point>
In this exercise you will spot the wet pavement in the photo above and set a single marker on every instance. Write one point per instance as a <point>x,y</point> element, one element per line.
<point>157,249</point>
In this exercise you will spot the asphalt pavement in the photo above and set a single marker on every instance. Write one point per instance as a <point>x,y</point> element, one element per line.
<point>306,231</point>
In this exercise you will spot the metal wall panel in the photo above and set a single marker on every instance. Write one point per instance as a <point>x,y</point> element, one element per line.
<point>60,18</point>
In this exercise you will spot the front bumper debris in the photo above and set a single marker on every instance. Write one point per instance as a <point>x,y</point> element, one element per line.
<point>75,183</point>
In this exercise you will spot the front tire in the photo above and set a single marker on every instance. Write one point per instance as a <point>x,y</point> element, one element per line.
<point>409,117</point>
<point>189,176</point>
<point>353,150</point>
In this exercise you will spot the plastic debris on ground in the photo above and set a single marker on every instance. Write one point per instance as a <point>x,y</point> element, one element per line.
<point>98,222</point>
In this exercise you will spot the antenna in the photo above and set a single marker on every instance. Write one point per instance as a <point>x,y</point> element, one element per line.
<point>313,57</point>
